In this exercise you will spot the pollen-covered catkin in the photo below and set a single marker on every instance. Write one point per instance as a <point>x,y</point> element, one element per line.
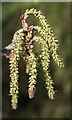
<point>45,60</point>
<point>32,71</point>
<point>13,60</point>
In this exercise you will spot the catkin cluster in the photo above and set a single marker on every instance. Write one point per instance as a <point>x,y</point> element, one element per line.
<point>47,33</point>
<point>22,46</point>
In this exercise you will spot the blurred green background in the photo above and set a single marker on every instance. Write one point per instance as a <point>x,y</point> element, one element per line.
<point>40,106</point>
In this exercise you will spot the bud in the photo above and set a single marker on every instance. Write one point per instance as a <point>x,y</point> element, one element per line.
<point>31,92</point>
<point>9,47</point>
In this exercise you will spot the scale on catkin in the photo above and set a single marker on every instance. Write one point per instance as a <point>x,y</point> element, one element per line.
<point>22,46</point>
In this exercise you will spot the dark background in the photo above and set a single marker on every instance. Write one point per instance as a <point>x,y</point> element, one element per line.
<point>40,106</point>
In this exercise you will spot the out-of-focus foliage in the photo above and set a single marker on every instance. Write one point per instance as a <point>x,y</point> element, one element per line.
<point>40,106</point>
